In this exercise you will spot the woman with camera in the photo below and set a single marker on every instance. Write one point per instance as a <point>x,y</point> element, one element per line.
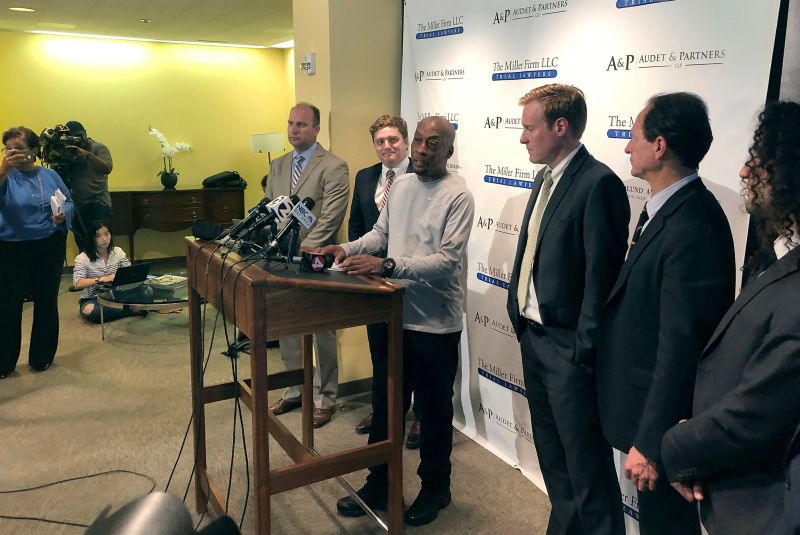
<point>33,233</point>
<point>97,264</point>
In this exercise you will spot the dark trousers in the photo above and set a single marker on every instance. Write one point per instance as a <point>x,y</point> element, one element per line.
<point>33,265</point>
<point>378,337</point>
<point>664,512</point>
<point>85,214</point>
<point>429,369</point>
<point>109,314</point>
<point>575,459</point>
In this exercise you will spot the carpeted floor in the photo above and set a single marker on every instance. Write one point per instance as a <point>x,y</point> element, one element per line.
<point>121,408</point>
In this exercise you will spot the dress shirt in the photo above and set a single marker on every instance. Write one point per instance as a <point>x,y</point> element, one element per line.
<point>531,310</point>
<point>306,154</point>
<point>399,170</point>
<point>660,199</point>
<point>784,246</point>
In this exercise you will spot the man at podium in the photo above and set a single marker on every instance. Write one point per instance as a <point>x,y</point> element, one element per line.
<point>424,229</point>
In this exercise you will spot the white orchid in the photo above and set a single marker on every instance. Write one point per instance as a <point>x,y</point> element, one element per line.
<point>168,151</point>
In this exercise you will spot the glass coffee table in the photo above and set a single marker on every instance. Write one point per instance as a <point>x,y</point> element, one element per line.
<point>141,296</point>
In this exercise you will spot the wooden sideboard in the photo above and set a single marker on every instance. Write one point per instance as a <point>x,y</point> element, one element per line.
<point>169,211</point>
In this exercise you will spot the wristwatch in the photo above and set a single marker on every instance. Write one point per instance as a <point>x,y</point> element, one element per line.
<point>388,266</point>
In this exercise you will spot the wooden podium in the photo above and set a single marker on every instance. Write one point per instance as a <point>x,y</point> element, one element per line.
<point>273,303</point>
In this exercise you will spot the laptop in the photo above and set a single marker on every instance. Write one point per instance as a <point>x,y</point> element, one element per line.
<point>130,274</point>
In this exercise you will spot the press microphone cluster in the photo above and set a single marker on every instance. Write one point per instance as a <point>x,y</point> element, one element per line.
<point>300,215</point>
<point>264,213</point>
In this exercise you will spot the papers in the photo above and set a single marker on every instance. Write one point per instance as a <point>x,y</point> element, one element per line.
<point>167,282</point>
<point>57,202</point>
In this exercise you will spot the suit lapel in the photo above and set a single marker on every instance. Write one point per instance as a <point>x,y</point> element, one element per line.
<point>564,183</point>
<point>780,269</point>
<point>374,178</point>
<point>653,229</point>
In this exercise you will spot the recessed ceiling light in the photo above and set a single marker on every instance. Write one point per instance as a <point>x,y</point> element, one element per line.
<point>121,38</point>
<point>145,21</point>
<point>284,44</point>
<point>23,9</point>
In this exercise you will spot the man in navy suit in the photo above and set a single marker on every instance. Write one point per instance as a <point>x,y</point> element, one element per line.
<point>728,455</point>
<point>677,281</point>
<point>571,246</point>
<point>371,191</point>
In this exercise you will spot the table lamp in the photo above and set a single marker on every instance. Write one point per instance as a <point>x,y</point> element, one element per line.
<point>267,142</point>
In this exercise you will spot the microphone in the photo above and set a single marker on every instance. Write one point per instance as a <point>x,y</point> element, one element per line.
<point>280,209</point>
<point>301,215</point>
<point>259,209</point>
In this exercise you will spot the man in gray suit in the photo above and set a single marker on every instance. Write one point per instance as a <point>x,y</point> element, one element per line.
<point>311,171</point>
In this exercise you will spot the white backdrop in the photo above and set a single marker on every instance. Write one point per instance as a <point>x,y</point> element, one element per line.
<point>471,61</point>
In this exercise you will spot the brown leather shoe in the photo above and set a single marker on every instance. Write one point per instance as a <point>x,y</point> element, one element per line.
<point>322,416</point>
<point>285,405</point>
<point>412,442</point>
<point>363,427</point>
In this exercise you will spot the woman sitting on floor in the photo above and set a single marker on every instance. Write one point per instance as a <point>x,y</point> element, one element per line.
<point>96,265</point>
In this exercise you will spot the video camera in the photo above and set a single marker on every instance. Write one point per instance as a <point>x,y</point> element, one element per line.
<point>57,153</point>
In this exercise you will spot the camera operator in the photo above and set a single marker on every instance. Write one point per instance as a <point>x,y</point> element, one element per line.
<point>87,177</point>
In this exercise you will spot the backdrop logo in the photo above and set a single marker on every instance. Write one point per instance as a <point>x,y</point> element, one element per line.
<point>498,121</point>
<point>639,193</point>
<point>530,11</point>
<point>621,4</point>
<point>500,227</point>
<point>492,323</point>
<point>497,418</point>
<point>452,117</point>
<point>442,74</point>
<point>493,275</point>
<point>630,505</point>
<point>440,27</point>
<point>661,60</point>
<point>504,175</point>
<point>525,69</point>
<point>619,127</point>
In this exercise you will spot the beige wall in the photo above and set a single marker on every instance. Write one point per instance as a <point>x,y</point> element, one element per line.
<point>357,79</point>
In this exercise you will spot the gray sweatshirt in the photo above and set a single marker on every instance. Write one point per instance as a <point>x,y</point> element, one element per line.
<point>425,227</point>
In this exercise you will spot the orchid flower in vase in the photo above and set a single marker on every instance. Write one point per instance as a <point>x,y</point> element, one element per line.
<point>168,176</point>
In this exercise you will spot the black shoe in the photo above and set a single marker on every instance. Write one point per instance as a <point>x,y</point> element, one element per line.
<point>426,507</point>
<point>375,500</point>
<point>40,368</point>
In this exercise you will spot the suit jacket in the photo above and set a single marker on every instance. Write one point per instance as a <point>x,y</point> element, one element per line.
<point>791,502</point>
<point>580,248</point>
<point>324,179</point>
<point>746,406</point>
<point>674,287</point>
<point>364,212</point>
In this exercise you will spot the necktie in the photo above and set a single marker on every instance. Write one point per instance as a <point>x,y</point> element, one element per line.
<point>533,235</point>
<point>297,170</point>
<point>389,180</point>
<point>643,217</point>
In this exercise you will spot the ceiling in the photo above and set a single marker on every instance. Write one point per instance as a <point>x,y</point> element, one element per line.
<point>249,22</point>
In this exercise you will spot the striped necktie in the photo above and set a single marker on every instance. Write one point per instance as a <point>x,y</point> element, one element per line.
<point>389,180</point>
<point>526,267</point>
<point>297,170</point>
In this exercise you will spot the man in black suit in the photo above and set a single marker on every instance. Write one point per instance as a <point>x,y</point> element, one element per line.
<point>370,193</point>
<point>676,283</point>
<point>571,246</point>
<point>729,454</point>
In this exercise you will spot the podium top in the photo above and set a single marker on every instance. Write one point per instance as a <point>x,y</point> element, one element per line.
<point>277,275</point>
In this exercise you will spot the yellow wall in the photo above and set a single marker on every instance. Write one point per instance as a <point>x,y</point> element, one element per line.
<point>210,97</point>
<point>357,79</point>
